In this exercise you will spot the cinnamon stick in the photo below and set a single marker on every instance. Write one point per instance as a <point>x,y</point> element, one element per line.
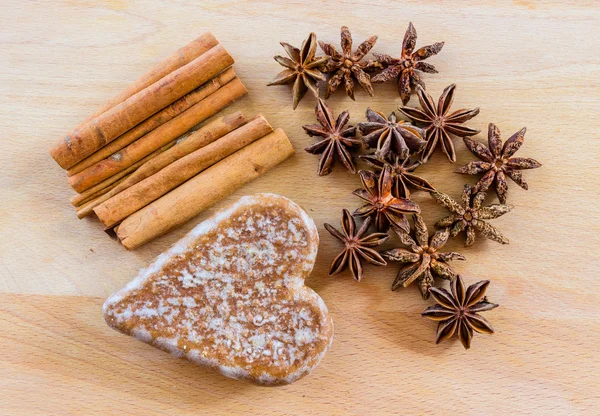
<point>204,190</point>
<point>106,185</point>
<point>198,139</point>
<point>117,208</point>
<point>86,206</point>
<point>156,120</point>
<point>82,199</point>
<point>97,189</point>
<point>181,57</point>
<point>201,137</point>
<point>158,137</point>
<point>109,125</point>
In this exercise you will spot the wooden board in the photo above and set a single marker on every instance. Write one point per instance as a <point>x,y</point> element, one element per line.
<point>524,63</point>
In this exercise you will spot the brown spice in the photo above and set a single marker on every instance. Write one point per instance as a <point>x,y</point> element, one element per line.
<point>381,204</point>
<point>405,67</point>
<point>402,174</point>
<point>497,162</point>
<point>337,139</point>
<point>302,68</point>
<point>423,261</point>
<point>348,66</point>
<point>391,136</point>
<point>469,215</point>
<point>358,246</point>
<point>458,312</point>
<point>438,123</point>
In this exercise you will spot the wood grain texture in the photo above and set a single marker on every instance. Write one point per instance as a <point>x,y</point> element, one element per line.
<point>524,63</point>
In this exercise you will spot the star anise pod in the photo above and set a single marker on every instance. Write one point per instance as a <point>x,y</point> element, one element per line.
<point>438,123</point>
<point>380,203</point>
<point>302,68</point>
<point>423,261</point>
<point>390,136</point>
<point>458,312</point>
<point>470,215</point>
<point>337,139</point>
<point>358,245</point>
<point>402,174</point>
<point>348,66</point>
<point>497,162</point>
<point>405,67</point>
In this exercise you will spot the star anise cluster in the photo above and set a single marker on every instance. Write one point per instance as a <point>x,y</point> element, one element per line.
<point>399,147</point>
<point>348,66</point>
<point>386,193</point>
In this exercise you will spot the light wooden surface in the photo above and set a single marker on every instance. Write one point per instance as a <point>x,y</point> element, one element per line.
<point>524,63</point>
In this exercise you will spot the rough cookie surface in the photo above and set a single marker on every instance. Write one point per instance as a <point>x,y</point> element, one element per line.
<point>231,295</point>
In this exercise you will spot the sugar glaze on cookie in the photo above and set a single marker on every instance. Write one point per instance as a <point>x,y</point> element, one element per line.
<point>231,295</point>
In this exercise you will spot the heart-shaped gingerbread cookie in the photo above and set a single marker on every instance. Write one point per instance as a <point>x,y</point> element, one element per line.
<point>231,295</point>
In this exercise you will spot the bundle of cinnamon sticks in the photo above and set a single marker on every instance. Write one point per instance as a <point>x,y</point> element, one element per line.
<point>140,166</point>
